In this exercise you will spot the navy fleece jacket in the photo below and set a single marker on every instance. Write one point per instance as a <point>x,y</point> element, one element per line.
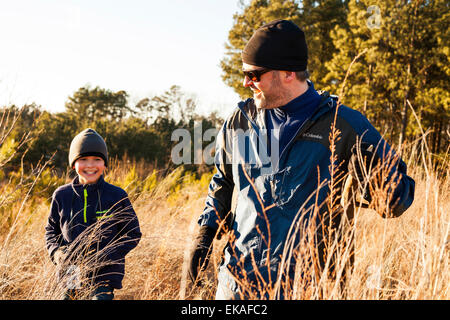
<point>94,219</point>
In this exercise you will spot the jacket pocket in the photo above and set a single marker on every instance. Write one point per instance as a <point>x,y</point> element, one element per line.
<point>258,179</point>
<point>289,190</point>
<point>277,186</point>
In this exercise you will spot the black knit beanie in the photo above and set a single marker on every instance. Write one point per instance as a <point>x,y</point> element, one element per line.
<point>277,45</point>
<point>87,143</point>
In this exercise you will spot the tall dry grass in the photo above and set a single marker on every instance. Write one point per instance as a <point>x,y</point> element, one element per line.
<point>401,258</point>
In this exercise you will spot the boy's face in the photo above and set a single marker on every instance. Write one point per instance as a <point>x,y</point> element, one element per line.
<point>89,169</point>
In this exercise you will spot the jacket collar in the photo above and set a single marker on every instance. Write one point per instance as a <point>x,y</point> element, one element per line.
<point>78,187</point>
<point>256,116</point>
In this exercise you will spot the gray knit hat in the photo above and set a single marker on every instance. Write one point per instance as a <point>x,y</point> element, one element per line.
<point>87,143</point>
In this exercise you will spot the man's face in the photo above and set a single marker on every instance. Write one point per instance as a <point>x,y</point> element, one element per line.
<point>268,92</point>
<point>89,169</point>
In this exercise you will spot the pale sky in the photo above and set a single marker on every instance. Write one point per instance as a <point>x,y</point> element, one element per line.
<point>51,48</point>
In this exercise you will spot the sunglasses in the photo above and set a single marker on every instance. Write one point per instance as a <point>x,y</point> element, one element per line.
<point>255,75</point>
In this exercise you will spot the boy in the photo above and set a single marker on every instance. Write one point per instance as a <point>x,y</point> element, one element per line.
<point>92,224</point>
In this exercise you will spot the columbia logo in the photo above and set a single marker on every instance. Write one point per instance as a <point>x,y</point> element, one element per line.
<point>313,136</point>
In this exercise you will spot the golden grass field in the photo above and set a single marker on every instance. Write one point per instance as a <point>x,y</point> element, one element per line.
<point>402,258</point>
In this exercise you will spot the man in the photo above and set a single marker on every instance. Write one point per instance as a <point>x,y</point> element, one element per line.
<point>285,154</point>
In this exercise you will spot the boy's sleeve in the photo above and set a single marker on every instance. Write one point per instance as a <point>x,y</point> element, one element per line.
<point>53,235</point>
<point>220,191</point>
<point>128,225</point>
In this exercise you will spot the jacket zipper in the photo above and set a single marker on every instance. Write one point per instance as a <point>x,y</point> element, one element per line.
<point>304,125</point>
<point>303,128</point>
<point>85,205</point>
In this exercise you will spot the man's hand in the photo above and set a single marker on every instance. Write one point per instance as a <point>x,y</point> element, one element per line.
<point>361,163</point>
<point>201,251</point>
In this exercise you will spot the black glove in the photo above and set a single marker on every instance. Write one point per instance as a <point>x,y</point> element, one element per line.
<point>361,163</point>
<point>201,251</point>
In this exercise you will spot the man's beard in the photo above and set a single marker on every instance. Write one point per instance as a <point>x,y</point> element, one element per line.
<point>274,98</point>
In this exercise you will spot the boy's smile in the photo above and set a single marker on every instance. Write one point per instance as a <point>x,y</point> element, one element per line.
<point>89,169</point>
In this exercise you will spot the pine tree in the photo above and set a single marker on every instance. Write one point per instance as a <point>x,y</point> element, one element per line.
<point>405,60</point>
<point>317,20</point>
<point>89,105</point>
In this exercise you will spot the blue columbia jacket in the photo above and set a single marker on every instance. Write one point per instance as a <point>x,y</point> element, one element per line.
<point>95,223</point>
<point>260,198</point>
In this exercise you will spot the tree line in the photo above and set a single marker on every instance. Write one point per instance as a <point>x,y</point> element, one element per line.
<point>140,131</point>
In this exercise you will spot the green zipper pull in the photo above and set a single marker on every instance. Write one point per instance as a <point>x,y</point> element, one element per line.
<point>85,205</point>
